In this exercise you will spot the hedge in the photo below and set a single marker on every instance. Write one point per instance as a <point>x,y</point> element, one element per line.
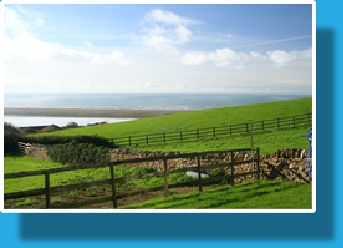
<point>53,140</point>
<point>78,153</point>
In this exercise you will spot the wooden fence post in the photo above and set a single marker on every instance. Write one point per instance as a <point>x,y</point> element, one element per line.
<point>305,119</point>
<point>232,177</point>
<point>258,163</point>
<point>293,121</point>
<point>47,189</point>
<point>114,193</point>
<point>165,165</point>
<point>252,147</point>
<point>199,175</point>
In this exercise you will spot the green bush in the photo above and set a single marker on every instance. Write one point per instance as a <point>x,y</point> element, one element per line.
<point>179,178</point>
<point>11,138</point>
<point>78,153</point>
<point>52,140</point>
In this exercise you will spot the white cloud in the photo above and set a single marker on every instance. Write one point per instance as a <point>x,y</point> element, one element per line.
<point>183,33</point>
<point>257,56</point>
<point>25,46</point>
<point>228,57</point>
<point>194,58</point>
<point>165,31</point>
<point>303,55</point>
<point>39,22</point>
<point>220,57</point>
<point>282,58</point>
<point>21,43</point>
<point>238,60</point>
<point>12,22</point>
<point>167,17</point>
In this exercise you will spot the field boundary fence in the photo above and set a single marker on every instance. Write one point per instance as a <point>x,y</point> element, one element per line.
<point>216,132</point>
<point>200,167</point>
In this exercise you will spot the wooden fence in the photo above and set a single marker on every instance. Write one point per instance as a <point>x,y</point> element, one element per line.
<point>208,133</point>
<point>48,190</point>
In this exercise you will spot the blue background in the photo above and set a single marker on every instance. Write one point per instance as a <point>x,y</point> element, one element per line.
<point>267,230</point>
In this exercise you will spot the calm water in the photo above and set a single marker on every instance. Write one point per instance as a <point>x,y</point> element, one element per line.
<point>139,101</point>
<point>26,121</point>
<point>124,101</point>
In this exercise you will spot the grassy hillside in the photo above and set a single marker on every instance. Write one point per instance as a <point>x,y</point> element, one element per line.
<point>268,142</point>
<point>196,119</point>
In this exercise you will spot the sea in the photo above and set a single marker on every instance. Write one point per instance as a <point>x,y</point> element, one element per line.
<point>125,101</point>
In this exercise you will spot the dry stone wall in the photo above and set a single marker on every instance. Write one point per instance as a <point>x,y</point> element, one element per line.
<point>287,164</point>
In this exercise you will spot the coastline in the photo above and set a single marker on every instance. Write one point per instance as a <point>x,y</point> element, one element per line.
<point>87,112</point>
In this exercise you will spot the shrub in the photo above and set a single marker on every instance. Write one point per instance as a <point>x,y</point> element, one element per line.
<point>11,138</point>
<point>78,153</point>
<point>52,140</point>
<point>179,178</point>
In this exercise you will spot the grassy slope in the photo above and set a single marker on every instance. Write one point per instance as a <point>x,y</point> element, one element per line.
<point>269,194</point>
<point>196,119</point>
<point>268,142</point>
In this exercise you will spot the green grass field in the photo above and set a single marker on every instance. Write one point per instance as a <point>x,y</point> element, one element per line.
<point>259,195</point>
<point>195,119</point>
<point>24,163</point>
<point>266,194</point>
<point>268,143</point>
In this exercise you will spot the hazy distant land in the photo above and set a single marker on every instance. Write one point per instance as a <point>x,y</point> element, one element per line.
<point>78,112</point>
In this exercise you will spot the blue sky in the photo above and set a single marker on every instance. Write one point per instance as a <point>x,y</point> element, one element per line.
<point>158,48</point>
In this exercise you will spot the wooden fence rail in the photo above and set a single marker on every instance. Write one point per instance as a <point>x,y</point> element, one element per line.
<point>207,133</point>
<point>48,190</point>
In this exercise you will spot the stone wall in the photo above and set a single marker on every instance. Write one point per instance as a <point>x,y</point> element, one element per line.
<point>286,164</point>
